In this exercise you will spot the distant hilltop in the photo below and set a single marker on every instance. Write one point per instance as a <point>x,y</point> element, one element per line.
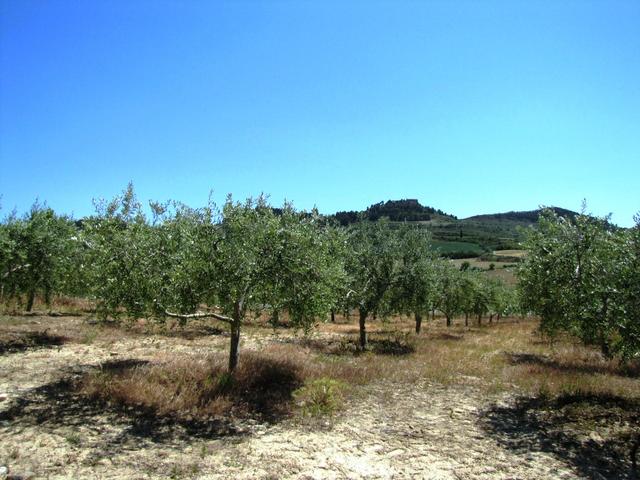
<point>455,238</point>
<point>530,216</point>
<point>405,210</point>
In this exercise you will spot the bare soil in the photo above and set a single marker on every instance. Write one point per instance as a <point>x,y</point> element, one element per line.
<point>421,429</point>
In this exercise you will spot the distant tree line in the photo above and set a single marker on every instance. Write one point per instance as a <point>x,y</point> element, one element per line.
<point>408,210</point>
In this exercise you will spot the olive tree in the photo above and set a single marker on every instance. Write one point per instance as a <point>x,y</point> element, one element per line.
<point>35,254</point>
<point>118,237</point>
<point>451,292</point>
<point>372,264</point>
<point>579,276</point>
<point>263,260</point>
<point>500,298</point>
<point>245,259</point>
<point>629,290</point>
<point>415,285</point>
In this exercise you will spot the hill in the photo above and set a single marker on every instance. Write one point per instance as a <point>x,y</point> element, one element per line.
<point>529,216</point>
<point>405,210</point>
<point>455,238</point>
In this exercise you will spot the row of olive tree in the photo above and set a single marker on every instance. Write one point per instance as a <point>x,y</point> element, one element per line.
<point>583,276</point>
<point>229,263</point>
<point>395,269</point>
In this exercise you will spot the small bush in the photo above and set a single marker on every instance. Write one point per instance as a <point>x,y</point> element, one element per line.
<point>320,397</point>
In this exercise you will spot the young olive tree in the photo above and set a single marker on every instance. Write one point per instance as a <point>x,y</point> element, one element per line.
<point>500,296</point>
<point>35,254</point>
<point>372,265</point>
<point>578,276</point>
<point>118,237</point>
<point>265,260</point>
<point>629,290</point>
<point>11,257</point>
<point>414,290</point>
<point>241,261</point>
<point>480,296</point>
<point>451,294</point>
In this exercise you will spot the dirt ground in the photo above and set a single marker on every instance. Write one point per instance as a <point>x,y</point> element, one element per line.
<point>421,430</point>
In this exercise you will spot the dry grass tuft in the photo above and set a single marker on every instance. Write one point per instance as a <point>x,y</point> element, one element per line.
<point>199,387</point>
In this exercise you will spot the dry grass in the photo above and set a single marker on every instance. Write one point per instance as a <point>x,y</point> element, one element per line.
<point>264,384</point>
<point>505,357</point>
<point>61,305</point>
<point>12,342</point>
<point>511,356</point>
<point>199,387</point>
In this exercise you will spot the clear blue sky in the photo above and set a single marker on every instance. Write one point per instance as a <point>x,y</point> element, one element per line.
<point>469,106</point>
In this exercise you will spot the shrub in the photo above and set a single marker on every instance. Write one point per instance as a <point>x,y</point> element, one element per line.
<point>320,397</point>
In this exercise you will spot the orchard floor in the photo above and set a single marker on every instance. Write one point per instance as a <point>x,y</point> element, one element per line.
<point>426,428</point>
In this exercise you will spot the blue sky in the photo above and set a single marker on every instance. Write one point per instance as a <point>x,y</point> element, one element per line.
<point>472,107</point>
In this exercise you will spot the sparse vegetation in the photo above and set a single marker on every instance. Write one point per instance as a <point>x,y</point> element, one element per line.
<point>422,320</point>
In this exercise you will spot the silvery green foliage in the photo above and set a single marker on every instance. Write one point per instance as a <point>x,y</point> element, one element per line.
<point>581,276</point>
<point>266,260</point>
<point>241,260</point>
<point>373,265</point>
<point>118,237</point>
<point>38,255</point>
<point>454,291</point>
<point>414,289</point>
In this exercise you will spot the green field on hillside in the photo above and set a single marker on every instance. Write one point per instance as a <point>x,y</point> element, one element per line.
<point>458,249</point>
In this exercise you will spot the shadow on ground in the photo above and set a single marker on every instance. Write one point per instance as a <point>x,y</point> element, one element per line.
<point>379,345</point>
<point>446,336</point>
<point>595,434</point>
<point>629,370</point>
<point>194,332</point>
<point>14,342</point>
<point>58,407</point>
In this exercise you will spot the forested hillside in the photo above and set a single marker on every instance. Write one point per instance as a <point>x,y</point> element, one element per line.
<point>456,238</point>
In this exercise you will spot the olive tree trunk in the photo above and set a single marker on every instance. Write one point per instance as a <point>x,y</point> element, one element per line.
<point>30,300</point>
<point>418,322</point>
<point>363,329</point>
<point>235,337</point>
<point>233,348</point>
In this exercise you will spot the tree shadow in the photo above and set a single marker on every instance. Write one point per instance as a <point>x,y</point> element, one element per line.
<point>14,342</point>
<point>630,370</point>
<point>379,345</point>
<point>391,346</point>
<point>194,332</point>
<point>569,427</point>
<point>445,336</point>
<point>59,406</point>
